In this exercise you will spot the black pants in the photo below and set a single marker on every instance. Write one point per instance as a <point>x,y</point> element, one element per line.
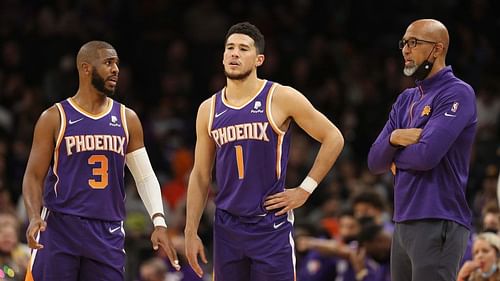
<point>427,250</point>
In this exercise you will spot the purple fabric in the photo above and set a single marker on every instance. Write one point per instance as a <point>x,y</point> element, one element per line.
<point>68,187</point>
<point>76,248</point>
<point>253,250</point>
<point>432,174</point>
<point>317,267</point>
<point>246,134</point>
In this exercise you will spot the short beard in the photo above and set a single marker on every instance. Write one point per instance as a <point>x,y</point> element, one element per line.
<point>98,83</point>
<point>240,76</point>
<point>410,70</point>
<point>419,72</point>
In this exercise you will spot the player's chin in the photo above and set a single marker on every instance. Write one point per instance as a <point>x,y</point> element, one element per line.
<point>109,92</point>
<point>231,72</point>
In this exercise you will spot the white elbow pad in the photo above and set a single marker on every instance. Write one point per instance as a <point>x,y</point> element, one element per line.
<point>145,180</point>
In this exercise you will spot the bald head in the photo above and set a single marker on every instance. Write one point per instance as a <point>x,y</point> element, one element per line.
<point>432,30</point>
<point>89,52</point>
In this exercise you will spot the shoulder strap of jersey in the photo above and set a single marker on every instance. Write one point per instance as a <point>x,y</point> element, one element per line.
<point>269,111</point>
<point>62,126</point>
<point>212,111</point>
<point>123,115</point>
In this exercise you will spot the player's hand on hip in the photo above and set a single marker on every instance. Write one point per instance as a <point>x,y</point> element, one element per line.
<point>160,238</point>
<point>36,225</point>
<point>287,200</point>
<point>194,247</point>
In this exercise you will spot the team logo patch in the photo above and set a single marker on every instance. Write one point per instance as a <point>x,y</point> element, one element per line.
<point>114,121</point>
<point>426,111</point>
<point>257,107</point>
<point>454,107</point>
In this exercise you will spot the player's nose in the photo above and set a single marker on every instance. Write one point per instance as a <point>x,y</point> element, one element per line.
<point>235,54</point>
<point>115,70</point>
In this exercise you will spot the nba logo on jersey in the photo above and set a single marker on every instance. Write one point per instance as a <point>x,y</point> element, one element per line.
<point>114,121</point>
<point>257,107</point>
<point>454,107</point>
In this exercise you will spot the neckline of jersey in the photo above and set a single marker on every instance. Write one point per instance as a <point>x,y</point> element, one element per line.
<point>226,102</point>
<point>92,115</point>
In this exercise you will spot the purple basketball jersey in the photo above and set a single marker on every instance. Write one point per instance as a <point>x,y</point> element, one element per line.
<point>251,152</point>
<point>87,174</point>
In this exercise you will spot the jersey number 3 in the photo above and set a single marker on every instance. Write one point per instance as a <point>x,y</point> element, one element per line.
<point>101,172</point>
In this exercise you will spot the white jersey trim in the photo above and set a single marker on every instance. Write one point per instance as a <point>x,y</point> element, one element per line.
<point>211,115</point>
<point>60,136</point>
<point>90,115</point>
<point>226,102</point>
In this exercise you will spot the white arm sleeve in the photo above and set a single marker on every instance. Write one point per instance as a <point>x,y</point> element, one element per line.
<point>145,180</point>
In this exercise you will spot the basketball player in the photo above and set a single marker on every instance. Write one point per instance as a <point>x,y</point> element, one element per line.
<point>80,147</point>
<point>244,128</point>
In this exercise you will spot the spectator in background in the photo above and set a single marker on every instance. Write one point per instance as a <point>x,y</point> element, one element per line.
<point>14,256</point>
<point>486,264</point>
<point>174,191</point>
<point>488,112</point>
<point>5,199</point>
<point>369,204</point>
<point>8,217</point>
<point>371,261</point>
<point>340,245</point>
<point>324,255</point>
<point>312,265</point>
<point>491,218</point>
<point>486,195</point>
<point>427,144</point>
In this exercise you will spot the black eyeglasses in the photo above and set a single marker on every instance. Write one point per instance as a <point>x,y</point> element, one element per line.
<point>412,42</point>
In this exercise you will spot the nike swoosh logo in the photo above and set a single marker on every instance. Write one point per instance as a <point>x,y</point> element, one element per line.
<point>276,226</point>
<point>220,113</point>
<point>112,230</point>
<point>71,122</point>
<point>449,115</point>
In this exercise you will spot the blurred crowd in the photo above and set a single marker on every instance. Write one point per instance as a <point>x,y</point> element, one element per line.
<point>344,58</point>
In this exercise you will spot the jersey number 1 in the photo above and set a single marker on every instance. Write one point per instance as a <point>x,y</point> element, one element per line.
<point>100,172</point>
<point>239,161</point>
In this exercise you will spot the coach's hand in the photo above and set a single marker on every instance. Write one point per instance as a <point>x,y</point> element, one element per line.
<point>405,137</point>
<point>160,237</point>
<point>287,200</point>
<point>36,224</point>
<point>194,247</point>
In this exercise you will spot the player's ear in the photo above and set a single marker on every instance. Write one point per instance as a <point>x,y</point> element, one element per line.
<point>86,68</point>
<point>260,60</point>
